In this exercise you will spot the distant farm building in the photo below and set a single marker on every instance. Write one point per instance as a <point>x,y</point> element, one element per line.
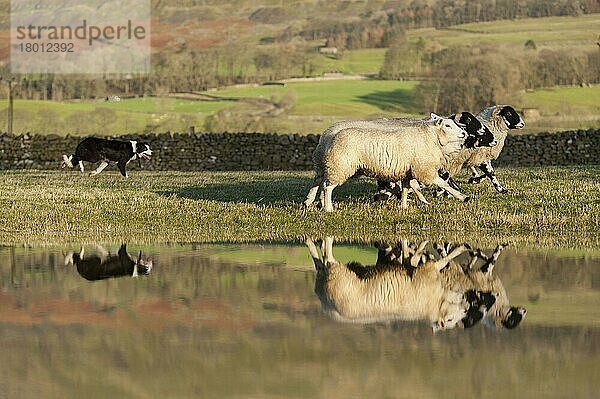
<point>328,50</point>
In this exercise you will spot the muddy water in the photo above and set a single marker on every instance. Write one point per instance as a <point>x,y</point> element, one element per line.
<point>214,321</point>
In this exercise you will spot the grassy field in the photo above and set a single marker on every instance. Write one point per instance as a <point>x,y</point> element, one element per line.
<point>552,32</point>
<point>338,97</point>
<point>318,105</point>
<point>564,100</point>
<point>57,207</point>
<point>364,61</point>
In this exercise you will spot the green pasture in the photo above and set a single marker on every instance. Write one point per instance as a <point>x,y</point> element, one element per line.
<point>317,105</point>
<point>337,97</point>
<point>551,32</point>
<point>67,206</point>
<point>352,62</point>
<point>564,100</point>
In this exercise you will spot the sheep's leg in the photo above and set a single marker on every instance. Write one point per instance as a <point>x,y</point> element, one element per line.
<point>81,168</point>
<point>404,203</point>
<point>99,169</point>
<point>490,262</point>
<point>472,262</point>
<point>405,250</point>
<point>445,176</point>
<point>416,258</point>
<point>453,184</point>
<point>475,178</point>
<point>322,195</point>
<point>384,190</point>
<point>414,184</point>
<point>312,193</point>
<point>441,249</point>
<point>384,255</point>
<point>455,193</point>
<point>443,262</point>
<point>488,171</point>
<point>395,188</point>
<point>498,251</point>
<point>328,250</point>
<point>327,192</point>
<point>312,249</point>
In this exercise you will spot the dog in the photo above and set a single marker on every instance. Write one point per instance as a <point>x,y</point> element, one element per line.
<point>103,265</point>
<point>93,149</point>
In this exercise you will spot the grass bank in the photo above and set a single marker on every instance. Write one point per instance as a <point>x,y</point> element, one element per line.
<point>546,207</point>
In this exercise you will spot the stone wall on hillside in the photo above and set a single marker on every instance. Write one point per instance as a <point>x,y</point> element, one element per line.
<point>258,151</point>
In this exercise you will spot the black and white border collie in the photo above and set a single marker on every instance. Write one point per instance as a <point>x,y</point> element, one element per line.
<point>105,151</point>
<point>102,264</point>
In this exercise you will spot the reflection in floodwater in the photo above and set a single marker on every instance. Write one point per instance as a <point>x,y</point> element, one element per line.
<point>102,264</point>
<point>408,282</point>
<point>243,321</point>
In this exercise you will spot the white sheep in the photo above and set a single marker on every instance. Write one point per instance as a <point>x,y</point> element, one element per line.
<point>477,136</point>
<point>391,294</point>
<point>499,119</point>
<point>393,152</point>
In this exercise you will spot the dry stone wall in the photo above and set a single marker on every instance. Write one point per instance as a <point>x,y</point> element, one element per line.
<point>257,151</point>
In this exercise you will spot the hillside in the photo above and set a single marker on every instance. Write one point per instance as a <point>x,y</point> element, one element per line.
<point>202,45</point>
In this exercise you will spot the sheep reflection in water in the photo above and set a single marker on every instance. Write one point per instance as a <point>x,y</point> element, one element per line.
<point>409,282</point>
<point>102,264</point>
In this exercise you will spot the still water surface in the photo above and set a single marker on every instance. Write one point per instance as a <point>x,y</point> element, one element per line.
<point>244,321</point>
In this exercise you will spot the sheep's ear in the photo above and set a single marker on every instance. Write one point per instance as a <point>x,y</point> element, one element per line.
<point>497,110</point>
<point>434,116</point>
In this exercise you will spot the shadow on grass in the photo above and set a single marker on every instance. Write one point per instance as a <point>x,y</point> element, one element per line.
<point>400,100</point>
<point>270,191</point>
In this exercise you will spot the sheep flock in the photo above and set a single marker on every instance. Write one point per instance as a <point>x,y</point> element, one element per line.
<point>447,286</point>
<point>406,154</point>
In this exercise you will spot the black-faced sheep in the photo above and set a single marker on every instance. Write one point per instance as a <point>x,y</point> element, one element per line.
<point>499,119</point>
<point>467,277</point>
<point>393,152</point>
<point>387,294</point>
<point>478,135</point>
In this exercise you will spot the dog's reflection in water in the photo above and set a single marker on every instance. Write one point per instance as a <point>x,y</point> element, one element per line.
<point>102,264</point>
<point>409,282</point>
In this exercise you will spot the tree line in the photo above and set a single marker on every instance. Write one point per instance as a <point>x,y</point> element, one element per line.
<point>377,29</point>
<point>190,69</point>
<point>474,77</point>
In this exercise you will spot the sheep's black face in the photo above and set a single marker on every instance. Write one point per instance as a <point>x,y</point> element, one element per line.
<point>486,299</point>
<point>514,317</point>
<point>480,299</point>
<point>478,135</point>
<point>512,118</point>
<point>479,304</point>
<point>473,316</point>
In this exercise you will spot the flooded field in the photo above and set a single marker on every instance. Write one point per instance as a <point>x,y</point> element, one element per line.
<point>271,321</point>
